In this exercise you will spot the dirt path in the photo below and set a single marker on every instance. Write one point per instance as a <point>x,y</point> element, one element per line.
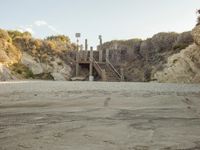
<point>99,116</point>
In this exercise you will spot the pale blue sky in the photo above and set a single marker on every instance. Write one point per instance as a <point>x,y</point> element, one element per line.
<point>114,19</point>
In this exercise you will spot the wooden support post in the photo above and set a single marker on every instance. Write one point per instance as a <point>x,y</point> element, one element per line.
<point>107,55</point>
<point>100,55</point>
<point>104,78</point>
<point>81,55</point>
<point>100,50</point>
<point>86,50</point>
<point>77,63</point>
<point>81,47</point>
<point>91,78</point>
<point>122,74</point>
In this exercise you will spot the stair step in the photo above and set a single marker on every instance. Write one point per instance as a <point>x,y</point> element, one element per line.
<point>110,75</point>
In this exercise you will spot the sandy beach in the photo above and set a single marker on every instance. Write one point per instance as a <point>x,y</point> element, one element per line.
<point>47,115</point>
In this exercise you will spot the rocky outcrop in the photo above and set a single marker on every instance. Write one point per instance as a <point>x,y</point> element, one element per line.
<point>24,57</point>
<point>183,67</point>
<point>196,35</point>
<point>142,59</point>
<point>5,74</point>
<point>57,68</point>
<point>29,62</point>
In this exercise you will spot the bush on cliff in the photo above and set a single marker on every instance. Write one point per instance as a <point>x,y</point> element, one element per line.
<point>183,40</point>
<point>22,71</point>
<point>16,34</point>
<point>5,36</point>
<point>163,41</point>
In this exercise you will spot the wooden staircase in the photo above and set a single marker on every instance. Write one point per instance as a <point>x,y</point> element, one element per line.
<point>107,71</point>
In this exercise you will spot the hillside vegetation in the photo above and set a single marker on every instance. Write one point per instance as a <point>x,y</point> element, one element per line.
<point>183,67</point>
<point>141,59</point>
<point>24,57</point>
<point>165,57</point>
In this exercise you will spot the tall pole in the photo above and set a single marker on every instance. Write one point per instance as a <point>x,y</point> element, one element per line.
<point>86,44</point>
<point>81,53</point>
<point>107,55</point>
<point>100,49</point>
<point>77,63</point>
<point>86,50</point>
<point>77,44</point>
<point>91,78</point>
<point>78,35</point>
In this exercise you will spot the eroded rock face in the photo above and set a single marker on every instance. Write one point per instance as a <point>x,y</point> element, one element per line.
<point>58,76</point>
<point>196,35</point>
<point>57,68</point>
<point>183,67</point>
<point>5,73</point>
<point>29,61</point>
<point>60,71</point>
<point>28,58</point>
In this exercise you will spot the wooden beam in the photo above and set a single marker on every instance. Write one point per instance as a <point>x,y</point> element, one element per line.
<point>91,60</point>
<point>100,50</point>
<point>86,50</point>
<point>77,63</point>
<point>107,55</point>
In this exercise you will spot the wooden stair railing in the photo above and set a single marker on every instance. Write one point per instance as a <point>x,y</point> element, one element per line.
<point>114,69</point>
<point>100,71</point>
<point>97,67</point>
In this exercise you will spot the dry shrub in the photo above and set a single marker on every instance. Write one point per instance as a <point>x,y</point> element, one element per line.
<point>3,57</point>
<point>163,41</point>
<point>21,70</point>
<point>183,40</point>
<point>4,35</point>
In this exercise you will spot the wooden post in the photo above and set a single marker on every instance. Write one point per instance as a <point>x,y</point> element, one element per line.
<point>81,53</point>
<point>100,50</point>
<point>107,55</point>
<point>104,75</point>
<point>77,63</point>
<point>100,55</point>
<point>81,47</point>
<point>91,78</point>
<point>122,74</point>
<point>86,50</point>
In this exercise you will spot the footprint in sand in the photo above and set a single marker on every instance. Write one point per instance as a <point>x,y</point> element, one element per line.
<point>106,102</point>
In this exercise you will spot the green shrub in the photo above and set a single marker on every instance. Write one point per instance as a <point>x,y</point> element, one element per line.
<point>180,46</point>
<point>15,34</point>
<point>59,63</point>
<point>61,38</point>
<point>22,70</point>
<point>29,74</point>
<point>18,71</point>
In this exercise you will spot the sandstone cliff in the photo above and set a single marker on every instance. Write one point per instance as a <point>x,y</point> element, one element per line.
<point>141,59</point>
<point>183,67</point>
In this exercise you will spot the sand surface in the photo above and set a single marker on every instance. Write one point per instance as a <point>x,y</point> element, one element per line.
<point>99,116</point>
